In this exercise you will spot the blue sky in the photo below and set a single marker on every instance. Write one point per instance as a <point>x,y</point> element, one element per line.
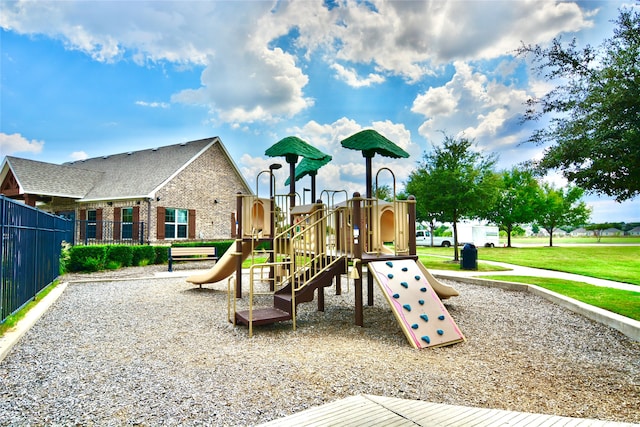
<point>91,78</point>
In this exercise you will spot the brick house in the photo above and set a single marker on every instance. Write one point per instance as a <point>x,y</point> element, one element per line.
<point>185,191</point>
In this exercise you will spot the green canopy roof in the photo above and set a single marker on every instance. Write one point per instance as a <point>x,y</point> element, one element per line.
<point>371,143</point>
<point>291,147</point>
<point>309,167</point>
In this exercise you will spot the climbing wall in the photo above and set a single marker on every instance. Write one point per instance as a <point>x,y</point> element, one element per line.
<point>422,316</point>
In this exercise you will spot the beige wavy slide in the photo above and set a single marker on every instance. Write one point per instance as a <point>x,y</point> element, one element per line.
<point>442,290</point>
<point>224,268</point>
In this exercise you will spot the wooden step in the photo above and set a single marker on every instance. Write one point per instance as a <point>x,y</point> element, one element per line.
<point>282,298</point>
<point>263,316</point>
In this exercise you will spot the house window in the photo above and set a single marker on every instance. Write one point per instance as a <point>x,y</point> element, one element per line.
<point>175,223</point>
<point>127,223</point>
<point>91,224</point>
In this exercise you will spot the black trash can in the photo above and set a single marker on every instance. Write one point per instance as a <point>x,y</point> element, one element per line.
<point>469,259</point>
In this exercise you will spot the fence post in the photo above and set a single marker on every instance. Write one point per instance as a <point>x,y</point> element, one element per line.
<point>2,249</point>
<point>30,243</point>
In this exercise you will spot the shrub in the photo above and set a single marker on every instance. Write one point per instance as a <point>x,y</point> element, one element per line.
<point>119,254</point>
<point>112,265</point>
<point>92,264</point>
<point>143,255</point>
<point>86,258</point>
<point>162,254</point>
<point>64,257</point>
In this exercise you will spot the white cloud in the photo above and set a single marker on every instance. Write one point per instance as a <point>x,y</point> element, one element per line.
<point>472,105</point>
<point>555,179</point>
<point>412,38</point>
<point>79,155</point>
<point>438,101</point>
<point>153,104</point>
<point>249,86</point>
<point>247,78</point>
<point>16,143</point>
<point>179,32</point>
<point>350,76</point>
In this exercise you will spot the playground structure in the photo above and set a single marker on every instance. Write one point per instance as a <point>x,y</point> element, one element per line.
<point>303,249</point>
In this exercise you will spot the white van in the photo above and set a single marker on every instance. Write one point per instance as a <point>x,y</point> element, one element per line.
<point>423,238</point>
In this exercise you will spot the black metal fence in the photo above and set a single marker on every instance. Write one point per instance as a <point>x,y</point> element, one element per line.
<point>30,245</point>
<point>109,233</point>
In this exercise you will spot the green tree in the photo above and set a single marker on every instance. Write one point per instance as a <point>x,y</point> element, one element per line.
<point>518,231</point>
<point>599,228</point>
<point>595,125</point>
<point>561,207</point>
<point>384,192</point>
<point>416,185</point>
<point>441,231</point>
<point>516,201</point>
<point>453,182</point>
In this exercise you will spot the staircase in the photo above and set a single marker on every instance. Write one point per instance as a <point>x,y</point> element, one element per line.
<point>283,307</point>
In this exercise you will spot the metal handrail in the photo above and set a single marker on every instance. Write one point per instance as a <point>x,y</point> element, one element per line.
<point>300,244</point>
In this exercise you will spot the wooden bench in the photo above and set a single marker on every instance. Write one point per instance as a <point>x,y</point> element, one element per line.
<point>195,253</point>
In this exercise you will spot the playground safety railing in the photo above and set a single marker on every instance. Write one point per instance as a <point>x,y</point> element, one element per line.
<point>385,222</point>
<point>301,253</point>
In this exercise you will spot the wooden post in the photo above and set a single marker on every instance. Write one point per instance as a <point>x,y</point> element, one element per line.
<point>337,226</point>
<point>239,245</point>
<point>321,298</point>
<point>412,225</point>
<point>30,200</point>
<point>292,181</point>
<point>272,227</point>
<point>357,254</point>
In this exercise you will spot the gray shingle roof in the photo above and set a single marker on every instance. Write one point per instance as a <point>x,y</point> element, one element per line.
<point>48,179</point>
<point>136,174</point>
<point>140,173</point>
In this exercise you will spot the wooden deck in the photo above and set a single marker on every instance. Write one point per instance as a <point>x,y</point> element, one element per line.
<point>367,410</point>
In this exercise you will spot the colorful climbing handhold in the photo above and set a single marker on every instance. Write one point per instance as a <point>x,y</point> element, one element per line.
<point>424,317</point>
<point>417,277</point>
<point>405,269</point>
<point>396,296</point>
<point>407,307</point>
<point>441,317</point>
<point>426,339</point>
<point>414,326</point>
<point>390,264</point>
<point>390,276</point>
<point>405,285</point>
<point>421,301</point>
<point>440,332</point>
<point>423,289</point>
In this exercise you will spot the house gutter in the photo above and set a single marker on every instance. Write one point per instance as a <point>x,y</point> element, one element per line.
<point>111,199</point>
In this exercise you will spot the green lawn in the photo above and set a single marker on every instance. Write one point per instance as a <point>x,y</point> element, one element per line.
<point>625,303</point>
<point>12,320</point>
<point>440,263</point>
<point>571,240</point>
<point>618,263</point>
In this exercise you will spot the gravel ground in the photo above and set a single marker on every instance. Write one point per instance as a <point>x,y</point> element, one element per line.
<point>161,352</point>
